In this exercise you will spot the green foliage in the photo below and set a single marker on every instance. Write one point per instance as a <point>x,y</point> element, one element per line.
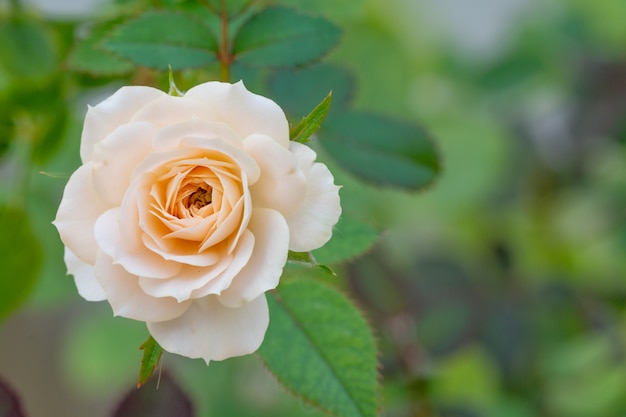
<point>7,129</point>
<point>310,346</point>
<point>382,150</point>
<point>90,57</point>
<point>351,238</point>
<point>21,259</point>
<point>298,91</point>
<point>152,352</point>
<point>26,49</point>
<point>311,122</point>
<point>158,39</point>
<point>277,37</point>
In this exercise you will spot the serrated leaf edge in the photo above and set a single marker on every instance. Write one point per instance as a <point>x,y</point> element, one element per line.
<point>377,354</point>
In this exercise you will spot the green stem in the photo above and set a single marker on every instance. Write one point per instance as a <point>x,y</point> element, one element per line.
<point>224,56</point>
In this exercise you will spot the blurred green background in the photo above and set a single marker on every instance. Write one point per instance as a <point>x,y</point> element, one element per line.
<point>499,291</point>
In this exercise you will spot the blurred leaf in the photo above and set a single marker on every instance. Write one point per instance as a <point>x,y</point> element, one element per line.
<point>157,39</point>
<point>51,129</point>
<point>311,122</point>
<point>321,348</point>
<point>585,377</point>
<point>279,37</point>
<point>96,360</point>
<point>382,150</point>
<point>9,402</point>
<point>26,51</point>
<point>151,355</point>
<point>350,239</point>
<point>21,258</point>
<point>89,57</point>
<point>159,397</point>
<point>7,129</point>
<point>468,378</point>
<point>298,91</point>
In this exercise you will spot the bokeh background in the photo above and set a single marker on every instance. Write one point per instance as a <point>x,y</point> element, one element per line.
<point>499,291</point>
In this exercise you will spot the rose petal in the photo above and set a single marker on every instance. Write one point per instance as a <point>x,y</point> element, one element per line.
<point>197,282</point>
<point>192,148</point>
<point>115,158</point>
<point>137,260</point>
<point>245,162</point>
<point>311,226</point>
<point>263,270</point>
<point>211,331</point>
<point>170,136</point>
<point>167,110</point>
<point>79,209</point>
<point>111,113</point>
<point>128,299</point>
<point>240,258</point>
<point>88,286</point>
<point>282,185</point>
<point>245,112</point>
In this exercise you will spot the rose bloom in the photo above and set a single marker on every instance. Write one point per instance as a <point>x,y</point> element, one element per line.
<point>184,210</point>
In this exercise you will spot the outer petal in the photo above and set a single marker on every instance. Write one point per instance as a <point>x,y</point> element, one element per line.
<point>282,185</point>
<point>79,209</point>
<point>245,112</point>
<point>113,112</point>
<point>194,147</point>
<point>311,226</point>
<point>263,270</point>
<point>115,158</point>
<point>170,136</point>
<point>127,298</point>
<point>211,331</point>
<point>171,109</point>
<point>88,286</point>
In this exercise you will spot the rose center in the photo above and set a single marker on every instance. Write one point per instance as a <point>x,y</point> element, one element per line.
<point>200,198</point>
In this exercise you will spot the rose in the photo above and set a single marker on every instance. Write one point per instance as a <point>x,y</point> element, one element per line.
<point>184,210</point>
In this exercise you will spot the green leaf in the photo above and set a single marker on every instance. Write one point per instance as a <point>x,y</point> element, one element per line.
<point>152,352</point>
<point>89,57</point>
<point>320,347</point>
<point>382,150</point>
<point>350,239</point>
<point>279,37</point>
<point>21,259</point>
<point>7,128</point>
<point>306,259</point>
<point>51,128</point>
<point>157,39</point>
<point>298,91</point>
<point>26,49</point>
<point>311,122</point>
<point>303,258</point>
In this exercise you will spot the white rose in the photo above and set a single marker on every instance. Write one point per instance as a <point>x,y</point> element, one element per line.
<point>184,209</point>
